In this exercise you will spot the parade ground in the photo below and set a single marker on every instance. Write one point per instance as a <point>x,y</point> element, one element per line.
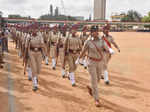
<point>129,89</point>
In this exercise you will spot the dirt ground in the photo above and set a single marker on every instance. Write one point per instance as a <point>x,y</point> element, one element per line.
<point>129,89</point>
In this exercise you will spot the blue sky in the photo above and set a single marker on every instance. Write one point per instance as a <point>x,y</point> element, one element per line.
<point>35,8</point>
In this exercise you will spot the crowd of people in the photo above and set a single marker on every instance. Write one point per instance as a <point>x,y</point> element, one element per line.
<point>64,43</point>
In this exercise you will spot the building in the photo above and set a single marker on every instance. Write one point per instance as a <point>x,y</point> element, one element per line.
<point>99,9</point>
<point>51,10</point>
<point>117,17</point>
<point>56,11</point>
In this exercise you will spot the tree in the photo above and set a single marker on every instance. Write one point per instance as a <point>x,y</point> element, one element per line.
<point>59,17</point>
<point>132,16</point>
<point>146,18</point>
<point>14,16</point>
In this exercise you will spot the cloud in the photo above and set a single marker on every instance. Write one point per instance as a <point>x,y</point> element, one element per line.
<point>72,7</point>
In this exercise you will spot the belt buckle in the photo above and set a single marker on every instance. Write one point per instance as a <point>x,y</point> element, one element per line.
<point>74,51</point>
<point>36,49</point>
<point>55,44</point>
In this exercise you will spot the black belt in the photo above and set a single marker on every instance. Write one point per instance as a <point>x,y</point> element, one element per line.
<point>95,59</point>
<point>53,43</point>
<point>61,46</point>
<point>35,49</point>
<point>74,51</point>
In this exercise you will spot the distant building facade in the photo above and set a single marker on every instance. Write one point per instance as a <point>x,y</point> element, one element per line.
<point>99,9</point>
<point>117,17</point>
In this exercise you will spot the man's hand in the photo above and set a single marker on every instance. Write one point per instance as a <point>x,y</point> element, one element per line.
<point>77,61</point>
<point>111,51</point>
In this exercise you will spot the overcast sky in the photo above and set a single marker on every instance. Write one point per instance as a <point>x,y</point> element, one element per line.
<point>35,8</point>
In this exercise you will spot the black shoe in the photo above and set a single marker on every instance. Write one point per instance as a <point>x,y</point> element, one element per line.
<point>102,77</point>
<point>2,62</point>
<point>89,90</point>
<point>74,85</point>
<point>35,88</point>
<point>54,68</point>
<point>68,78</point>
<point>107,82</point>
<point>1,66</point>
<point>81,64</point>
<point>30,79</point>
<point>63,76</point>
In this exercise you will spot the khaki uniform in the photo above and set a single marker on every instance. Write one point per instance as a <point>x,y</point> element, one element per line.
<point>17,38</point>
<point>107,55</point>
<point>84,38</point>
<point>21,38</point>
<point>46,40</point>
<point>95,64</point>
<point>1,52</point>
<point>83,60</point>
<point>60,43</point>
<point>53,43</point>
<point>74,46</point>
<point>35,54</point>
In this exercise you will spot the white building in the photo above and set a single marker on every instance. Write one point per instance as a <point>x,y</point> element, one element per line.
<point>99,9</point>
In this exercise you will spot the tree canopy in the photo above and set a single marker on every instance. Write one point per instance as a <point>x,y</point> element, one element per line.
<point>59,17</point>
<point>132,16</point>
<point>146,18</point>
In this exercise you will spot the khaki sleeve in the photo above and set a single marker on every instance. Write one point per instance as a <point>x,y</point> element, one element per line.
<point>80,43</point>
<point>65,41</point>
<point>42,40</point>
<point>86,45</point>
<point>112,39</point>
<point>26,42</point>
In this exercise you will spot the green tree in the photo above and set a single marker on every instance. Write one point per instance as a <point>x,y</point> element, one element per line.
<point>132,16</point>
<point>14,16</point>
<point>59,17</point>
<point>146,18</point>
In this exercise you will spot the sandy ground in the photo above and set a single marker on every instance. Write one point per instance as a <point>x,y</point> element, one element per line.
<point>129,89</point>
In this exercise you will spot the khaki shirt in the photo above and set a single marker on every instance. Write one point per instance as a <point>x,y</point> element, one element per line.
<point>61,40</point>
<point>110,39</point>
<point>46,37</point>
<point>84,38</point>
<point>53,38</point>
<point>74,43</point>
<point>38,40</point>
<point>91,49</point>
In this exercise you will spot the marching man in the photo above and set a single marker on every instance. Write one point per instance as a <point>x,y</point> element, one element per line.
<point>108,39</point>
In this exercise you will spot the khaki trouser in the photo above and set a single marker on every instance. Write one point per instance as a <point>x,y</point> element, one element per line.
<point>95,70</point>
<point>71,58</point>
<point>35,62</point>
<point>61,55</point>
<point>53,52</point>
<point>1,54</point>
<point>106,59</point>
